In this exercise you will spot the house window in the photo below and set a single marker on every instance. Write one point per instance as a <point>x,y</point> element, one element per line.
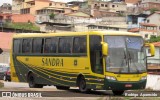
<point>50,4</point>
<point>113,6</point>
<point>106,5</point>
<point>147,20</point>
<point>102,5</point>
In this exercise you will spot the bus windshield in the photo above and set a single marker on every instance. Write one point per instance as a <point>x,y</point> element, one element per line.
<point>126,54</point>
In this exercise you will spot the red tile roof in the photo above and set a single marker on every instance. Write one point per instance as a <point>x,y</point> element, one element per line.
<point>134,30</point>
<point>132,1</point>
<point>157,44</point>
<point>147,24</point>
<point>5,40</point>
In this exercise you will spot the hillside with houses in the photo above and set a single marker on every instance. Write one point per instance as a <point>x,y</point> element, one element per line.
<point>140,16</point>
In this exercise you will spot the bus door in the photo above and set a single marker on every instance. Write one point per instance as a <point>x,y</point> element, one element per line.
<point>96,58</point>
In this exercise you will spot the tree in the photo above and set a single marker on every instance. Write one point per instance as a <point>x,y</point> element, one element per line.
<point>51,16</point>
<point>153,10</point>
<point>153,38</point>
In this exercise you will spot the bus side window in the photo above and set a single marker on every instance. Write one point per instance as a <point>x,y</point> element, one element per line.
<point>47,45</point>
<point>37,45</point>
<point>26,45</point>
<point>83,45</point>
<point>60,47</point>
<point>76,46</point>
<point>65,45</point>
<point>53,46</point>
<point>17,46</point>
<point>79,45</point>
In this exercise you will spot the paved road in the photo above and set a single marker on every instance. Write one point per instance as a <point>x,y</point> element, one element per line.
<point>51,91</point>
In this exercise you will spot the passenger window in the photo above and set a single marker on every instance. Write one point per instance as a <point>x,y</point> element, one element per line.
<point>47,45</point>
<point>65,45</point>
<point>16,46</point>
<point>37,45</point>
<point>80,45</point>
<point>53,46</point>
<point>26,45</point>
<point>50,45</point>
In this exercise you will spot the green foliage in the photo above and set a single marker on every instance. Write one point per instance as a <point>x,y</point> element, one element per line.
<point>153,10</point>
<point>120,14</point>
<point>154,39</point>
<point>52,15</point>
<point>25,26</point>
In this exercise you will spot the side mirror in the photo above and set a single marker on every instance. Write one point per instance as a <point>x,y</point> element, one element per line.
<point>152,49</point>
<point>104,48</point>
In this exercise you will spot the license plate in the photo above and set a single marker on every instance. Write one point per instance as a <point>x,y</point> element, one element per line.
<point>128,85</point>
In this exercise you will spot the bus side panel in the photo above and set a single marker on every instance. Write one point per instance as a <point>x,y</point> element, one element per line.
<point>51,70</point>
<point>20,69</point>
<point>14,76</point>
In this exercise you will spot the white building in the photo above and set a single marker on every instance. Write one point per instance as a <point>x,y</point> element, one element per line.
<point>154,19</point>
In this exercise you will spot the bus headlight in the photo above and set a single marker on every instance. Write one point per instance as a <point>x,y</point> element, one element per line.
<point>110,78</point>
<point>143,77</point>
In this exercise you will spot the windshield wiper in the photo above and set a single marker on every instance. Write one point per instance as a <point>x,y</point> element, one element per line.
<point>122,65</point>
<point>130,61</point>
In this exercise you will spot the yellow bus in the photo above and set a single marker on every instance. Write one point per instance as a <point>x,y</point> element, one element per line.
<point>98,60</point>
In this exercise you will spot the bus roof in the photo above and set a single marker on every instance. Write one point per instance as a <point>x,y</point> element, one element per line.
<point>19,35</point>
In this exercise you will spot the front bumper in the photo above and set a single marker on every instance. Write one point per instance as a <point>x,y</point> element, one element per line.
<point>117,85</point>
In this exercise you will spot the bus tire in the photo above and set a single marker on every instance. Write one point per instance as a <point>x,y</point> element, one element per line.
<point>31,82</point>
<point>82,85</point>
<point>62,87</point>
<point>115,92</point>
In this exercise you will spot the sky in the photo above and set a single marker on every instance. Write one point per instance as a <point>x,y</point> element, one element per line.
<point>10,1</point>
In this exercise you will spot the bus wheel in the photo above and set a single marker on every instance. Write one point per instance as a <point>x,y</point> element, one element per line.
<point>31,82</point>
<point>62,87</point>
<point>82,85</point>
<point>117,92</point>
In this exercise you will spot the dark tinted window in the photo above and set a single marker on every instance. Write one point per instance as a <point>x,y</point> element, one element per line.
<point>80,45</point>
<point>96,54</point>
<point>16,46</point>
<point>50,45</point>
<point>65,45</point>
<point>26,45</point>
<point>37,46</point>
